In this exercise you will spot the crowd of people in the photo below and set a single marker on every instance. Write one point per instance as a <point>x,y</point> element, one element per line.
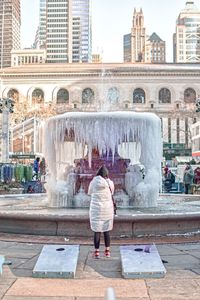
<point>190,177</point>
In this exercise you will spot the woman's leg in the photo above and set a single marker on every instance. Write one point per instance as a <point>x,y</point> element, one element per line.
<point>97,236</point>
<point>107,239</point>
<point>107,243</point>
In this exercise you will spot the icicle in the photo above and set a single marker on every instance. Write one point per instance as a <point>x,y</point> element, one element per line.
<point>105,132</point>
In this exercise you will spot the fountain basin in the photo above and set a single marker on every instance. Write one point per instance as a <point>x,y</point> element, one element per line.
<point>29,214</point>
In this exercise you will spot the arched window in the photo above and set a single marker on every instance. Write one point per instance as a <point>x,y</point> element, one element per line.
<point>37,96</point>
<point>189,95</point>
<point>62,96</point>
<point>139,96</point>
<point>113,95</point>
<point>87,95</point>
<point>164,96</point>
<point>13,94</point>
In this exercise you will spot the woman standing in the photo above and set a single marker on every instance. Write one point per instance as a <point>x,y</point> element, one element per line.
<point>101,212</point>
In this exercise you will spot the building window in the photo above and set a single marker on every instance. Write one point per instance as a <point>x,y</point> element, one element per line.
<point>189,95</point>
<point>62,96</point>
<point>13,94</point>
<point>152,106</point>
<point>164,96</point>
<point>87,95</point>
<point>139,96</point>
<point>37,96</point>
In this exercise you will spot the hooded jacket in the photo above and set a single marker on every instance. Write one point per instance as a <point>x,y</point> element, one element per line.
<point>101,205</point>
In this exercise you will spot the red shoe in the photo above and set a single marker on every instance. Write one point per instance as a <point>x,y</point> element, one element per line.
<point>107,253</point>
<point>96,254</point>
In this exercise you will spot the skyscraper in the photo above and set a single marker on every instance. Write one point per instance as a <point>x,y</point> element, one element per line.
<point>186,40</point>
<point>65,30</point>
<point>134,42</point>
<point>10,22</point>
<point>154,49</point>
<point>81,31</point>
<point>58,31</point>
<point>138,37</point>
<point>41,32</point>
<point>138,47</point>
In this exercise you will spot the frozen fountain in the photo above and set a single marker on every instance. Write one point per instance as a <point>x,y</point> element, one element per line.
<point>76,144</point>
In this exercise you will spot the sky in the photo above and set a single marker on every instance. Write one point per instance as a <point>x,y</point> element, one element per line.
<point>111,19</point>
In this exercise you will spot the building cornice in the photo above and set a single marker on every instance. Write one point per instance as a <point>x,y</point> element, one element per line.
<point>100,71</point>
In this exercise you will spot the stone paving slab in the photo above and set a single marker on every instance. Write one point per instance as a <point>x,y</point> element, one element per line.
<point>182,274</point>
<point>194,253</point>
<point>184,260</point>
<point>77,288</point>
<point>184,247</point>
<point>168,250</point>
<point>39,298</point>
<point>67,298</point>
<point>181,282</point>
<point>28,264</point>
<point>3,289</point>
<point>174,289</point>
<point>20,253</point>
<point>196,271</point>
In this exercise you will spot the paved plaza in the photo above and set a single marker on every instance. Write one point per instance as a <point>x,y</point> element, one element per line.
<point>93,277</point>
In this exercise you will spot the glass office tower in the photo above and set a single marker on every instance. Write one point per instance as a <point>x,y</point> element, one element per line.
<point>81,31</point>
<point>187,37</point>
<point>65,30</point>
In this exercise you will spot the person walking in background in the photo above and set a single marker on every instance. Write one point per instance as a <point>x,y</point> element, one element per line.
<point>101,210</point>
<point>166,170</point>
<point>42,168</point>
<point>36,167</point>
<point>188,177</point>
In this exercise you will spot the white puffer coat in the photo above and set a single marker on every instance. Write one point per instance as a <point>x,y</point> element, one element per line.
<point>101,205</point>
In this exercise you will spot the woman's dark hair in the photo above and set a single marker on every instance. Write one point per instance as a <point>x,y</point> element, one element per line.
<point>103,172</point>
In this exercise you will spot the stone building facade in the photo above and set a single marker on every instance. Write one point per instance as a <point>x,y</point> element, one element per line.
<point>168,90</point>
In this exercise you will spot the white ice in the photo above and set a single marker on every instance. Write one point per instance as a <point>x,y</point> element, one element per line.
<point>106,131</point>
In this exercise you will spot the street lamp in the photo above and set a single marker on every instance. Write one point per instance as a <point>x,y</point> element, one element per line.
<point>6,107</point>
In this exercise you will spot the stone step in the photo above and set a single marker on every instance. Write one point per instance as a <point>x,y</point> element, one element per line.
<point>57,261</point>
<point>141,261</point>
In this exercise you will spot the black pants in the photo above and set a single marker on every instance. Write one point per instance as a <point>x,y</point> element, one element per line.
<point>97,238</point>
<point>187,188</point>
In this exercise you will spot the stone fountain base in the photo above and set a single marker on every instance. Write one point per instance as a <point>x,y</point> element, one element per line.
<point>29,214</point>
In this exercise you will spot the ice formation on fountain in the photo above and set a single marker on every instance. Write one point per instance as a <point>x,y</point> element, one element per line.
<point>66,137</point>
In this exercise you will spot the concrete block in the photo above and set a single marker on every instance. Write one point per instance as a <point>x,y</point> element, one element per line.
<point>57,261</point>
<point>141,261</point>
